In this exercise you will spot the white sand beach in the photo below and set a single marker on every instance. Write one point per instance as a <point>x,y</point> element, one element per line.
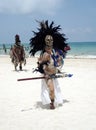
<point>20,101</point>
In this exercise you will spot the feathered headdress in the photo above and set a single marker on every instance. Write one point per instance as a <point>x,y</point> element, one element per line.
<point>37,43</point>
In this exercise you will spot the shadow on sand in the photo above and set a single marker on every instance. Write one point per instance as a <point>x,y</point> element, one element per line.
<point>39,105</point>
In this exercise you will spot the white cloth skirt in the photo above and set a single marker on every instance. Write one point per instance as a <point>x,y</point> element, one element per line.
<point>45,93</point>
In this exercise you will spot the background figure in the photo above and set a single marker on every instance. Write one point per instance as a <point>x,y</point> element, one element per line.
<point>51,43</point>
<point>4,48</point>
<point>17,53</point>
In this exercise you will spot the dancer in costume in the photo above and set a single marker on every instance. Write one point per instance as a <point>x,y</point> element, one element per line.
<point>17,53</point>
<point>53,47</point>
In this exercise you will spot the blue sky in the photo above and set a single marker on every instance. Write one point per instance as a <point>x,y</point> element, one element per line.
<point>77,18</point>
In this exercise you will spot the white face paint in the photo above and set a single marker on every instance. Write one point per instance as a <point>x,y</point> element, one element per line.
<point>49,40</point>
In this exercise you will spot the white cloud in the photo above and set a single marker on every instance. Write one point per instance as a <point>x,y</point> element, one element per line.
<point>81,30</point>
<point>29,6</point>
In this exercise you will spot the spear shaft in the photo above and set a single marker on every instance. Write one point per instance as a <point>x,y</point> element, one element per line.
<point>43,77</point>
<point>30,78</point>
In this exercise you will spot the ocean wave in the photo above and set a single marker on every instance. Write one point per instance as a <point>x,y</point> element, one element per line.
<point>81,56</point>
<point>67,56</point>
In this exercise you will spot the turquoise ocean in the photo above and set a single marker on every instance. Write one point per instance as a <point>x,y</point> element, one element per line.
<point>78,49</point>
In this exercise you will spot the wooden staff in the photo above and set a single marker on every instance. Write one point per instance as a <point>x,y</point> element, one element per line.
<point>53,76</point>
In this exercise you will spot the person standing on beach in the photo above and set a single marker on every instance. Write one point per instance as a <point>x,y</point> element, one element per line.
<point>17,53</point>
<point>51,43</point>
<point>4,48</point>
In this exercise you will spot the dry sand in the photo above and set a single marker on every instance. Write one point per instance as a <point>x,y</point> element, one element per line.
<point>20,102</point>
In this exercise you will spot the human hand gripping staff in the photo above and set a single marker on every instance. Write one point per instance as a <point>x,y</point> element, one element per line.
<point>52,45</point>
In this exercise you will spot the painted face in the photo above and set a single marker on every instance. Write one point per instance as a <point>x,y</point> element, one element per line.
<point>49,40</point>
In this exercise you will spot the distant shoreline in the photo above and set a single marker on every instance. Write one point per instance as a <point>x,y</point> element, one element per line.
<point>67,57</point>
